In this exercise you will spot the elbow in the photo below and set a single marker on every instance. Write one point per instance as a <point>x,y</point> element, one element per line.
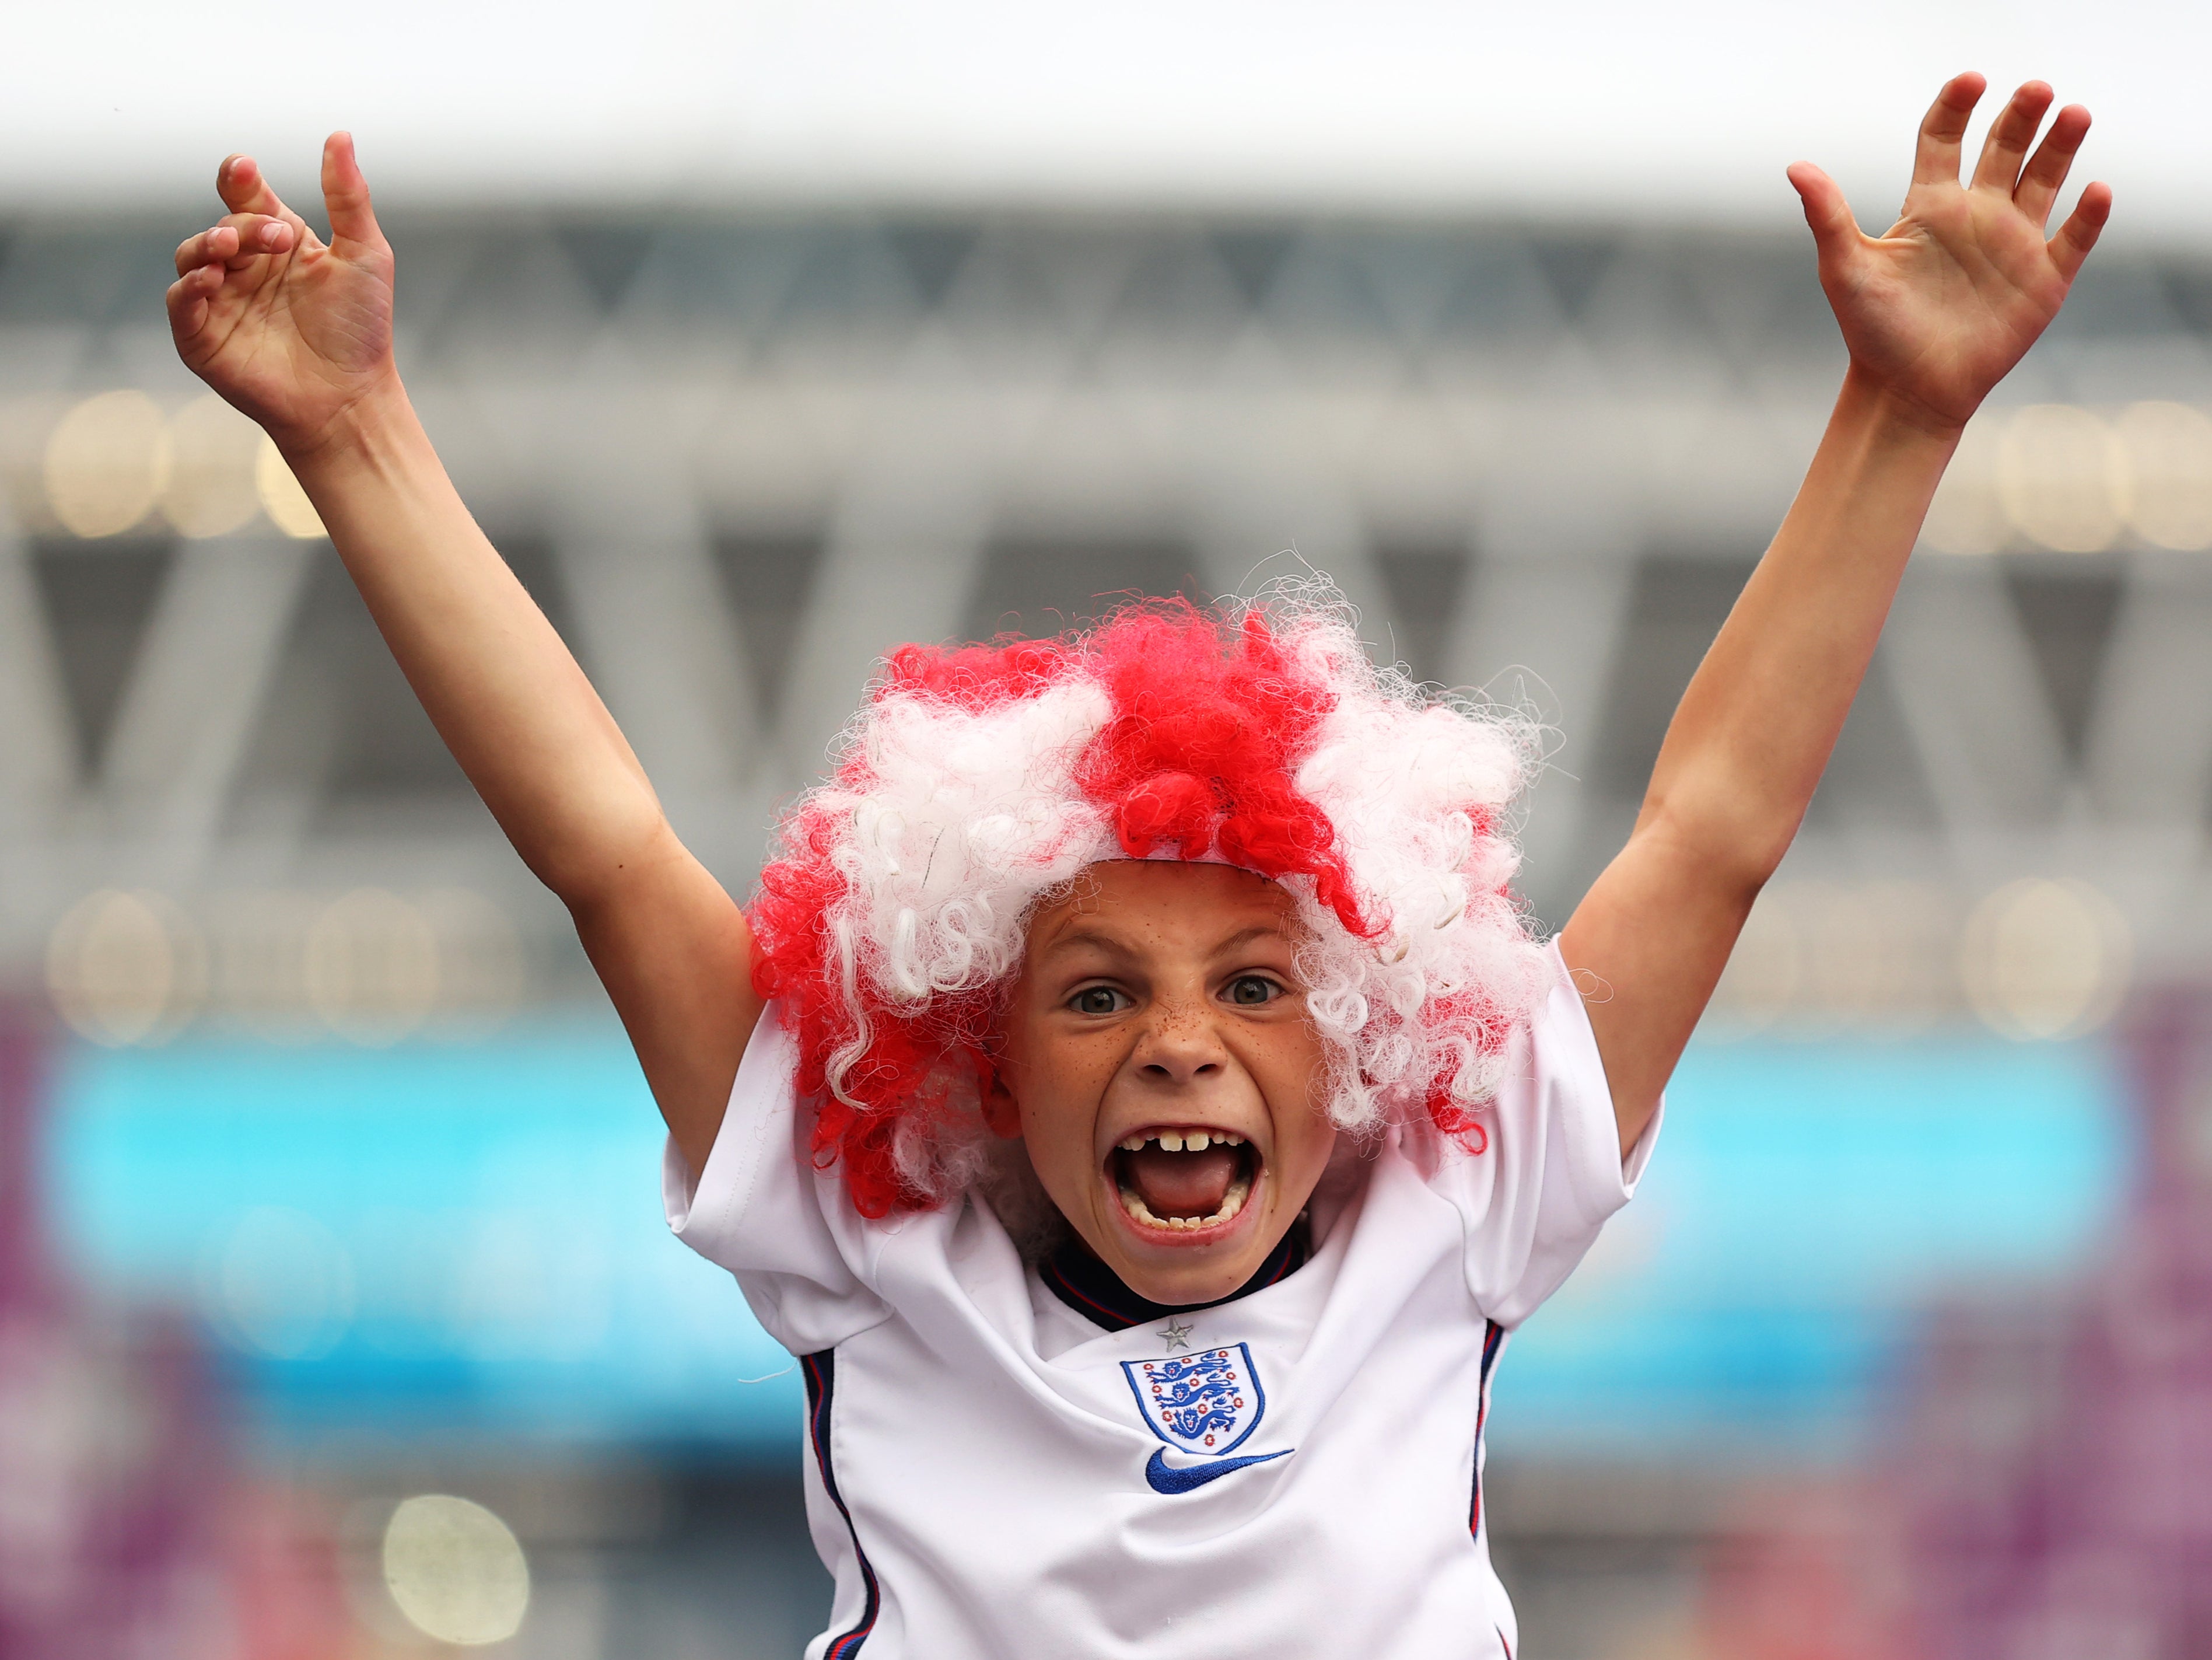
<point>587,873</point>
<point>1748,867</point>
<point>1731,856</point>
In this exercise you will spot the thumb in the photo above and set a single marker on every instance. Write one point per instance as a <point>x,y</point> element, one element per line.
<point>1834,230</point>
<point>345,197</point>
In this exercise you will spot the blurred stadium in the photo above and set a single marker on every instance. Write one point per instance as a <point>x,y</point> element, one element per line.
<point>335,1313</point>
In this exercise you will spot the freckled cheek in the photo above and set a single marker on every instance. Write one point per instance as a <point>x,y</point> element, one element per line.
<point>1289,1061</point>
<point>1289,1067</point>
<point>1085,1069</point>
<point>1067,1085</point>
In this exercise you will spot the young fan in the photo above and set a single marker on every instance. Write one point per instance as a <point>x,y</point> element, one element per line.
<point>1163,1113</point>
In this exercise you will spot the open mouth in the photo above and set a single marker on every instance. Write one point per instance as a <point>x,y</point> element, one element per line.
<point>1181,1180</point>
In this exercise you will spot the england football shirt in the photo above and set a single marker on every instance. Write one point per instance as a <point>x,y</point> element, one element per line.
<point>1013,1460</point>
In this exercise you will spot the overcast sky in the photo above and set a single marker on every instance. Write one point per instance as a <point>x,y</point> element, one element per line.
<point>1657,109</point>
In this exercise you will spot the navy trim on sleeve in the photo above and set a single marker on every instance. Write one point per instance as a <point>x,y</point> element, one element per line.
<point>1493,1338</point>
<point>821,1371</point>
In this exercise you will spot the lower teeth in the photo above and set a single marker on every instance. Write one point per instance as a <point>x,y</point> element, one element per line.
<point>1231,1202</point>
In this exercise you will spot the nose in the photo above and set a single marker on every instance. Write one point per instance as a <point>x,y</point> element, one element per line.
<point>1180,1046</point>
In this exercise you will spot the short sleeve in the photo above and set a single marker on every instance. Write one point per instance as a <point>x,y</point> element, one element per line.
<point>1534,1198</point>
<point>760,1209</point>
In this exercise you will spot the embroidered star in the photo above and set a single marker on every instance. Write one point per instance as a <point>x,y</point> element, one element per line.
<point>1176,1335</point>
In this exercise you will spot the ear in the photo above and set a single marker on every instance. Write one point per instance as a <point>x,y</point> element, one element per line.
<point>1000,1111</point>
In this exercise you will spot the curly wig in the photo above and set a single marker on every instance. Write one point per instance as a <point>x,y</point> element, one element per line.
<point>977,781</point>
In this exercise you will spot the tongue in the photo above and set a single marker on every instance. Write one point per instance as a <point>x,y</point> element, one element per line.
<point>1181,1184</point>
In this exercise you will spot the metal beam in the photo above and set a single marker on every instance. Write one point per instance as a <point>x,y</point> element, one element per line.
<point>904,546</point>
<point>1540,627</point>
<point>660,642</point>
<point>193,695</point>
<point>2149,749</point>
<point>1281,526</point>
<point>37,761</point>
<point>1967,682</point>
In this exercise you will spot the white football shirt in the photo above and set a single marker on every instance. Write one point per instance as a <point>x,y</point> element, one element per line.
<point>1296,1471</point>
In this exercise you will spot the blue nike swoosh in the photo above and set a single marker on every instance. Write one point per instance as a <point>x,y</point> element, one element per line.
<point>1166,1478</point>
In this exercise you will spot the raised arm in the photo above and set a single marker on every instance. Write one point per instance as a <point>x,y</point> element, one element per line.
<point>1935,313</point>
<point>297,334</point>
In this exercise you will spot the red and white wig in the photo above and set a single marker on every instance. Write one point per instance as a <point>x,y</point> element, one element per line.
<point>977,781</point>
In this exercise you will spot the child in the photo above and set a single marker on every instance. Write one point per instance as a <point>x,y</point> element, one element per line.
<point>1165,1115</point>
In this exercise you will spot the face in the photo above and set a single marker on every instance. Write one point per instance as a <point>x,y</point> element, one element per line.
<point>1159,1065</point>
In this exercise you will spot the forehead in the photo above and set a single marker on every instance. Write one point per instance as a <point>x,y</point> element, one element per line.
<point>1162,901</point>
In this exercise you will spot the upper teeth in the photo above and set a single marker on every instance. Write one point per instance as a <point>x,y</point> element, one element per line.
<point>1183,1140</point>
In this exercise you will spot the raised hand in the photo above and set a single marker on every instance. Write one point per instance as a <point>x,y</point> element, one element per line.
<point>296,332</point>
<point>1939,307</point>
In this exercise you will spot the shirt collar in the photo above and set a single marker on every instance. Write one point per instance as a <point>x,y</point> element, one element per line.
<point>1094,1291</point>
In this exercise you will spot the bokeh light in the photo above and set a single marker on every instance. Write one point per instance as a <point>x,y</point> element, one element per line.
<point>283,1285</point>
<point>2068,479</point>
<point>480,968</point>
<point>2061,476</point>
<point>1817,959</point>
<point>2046,959</point>
<point>456,1570</point>
<point>371,967</point>
<point>281,498</point>
<point>107,461</point>
<point>1967,516</point>
<point>2169,452</point>
<point>260,952</point>
<point>126,968</point>
<point>212,487</point>
<point>1760,983</point>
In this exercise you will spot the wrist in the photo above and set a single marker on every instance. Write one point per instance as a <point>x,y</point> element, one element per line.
<point>1897,416</point>
<point>369,423</point>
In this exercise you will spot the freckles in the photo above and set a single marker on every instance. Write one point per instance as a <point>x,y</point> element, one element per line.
<point>1093,1069</point>
<point>1293,1059</point>
<point>1078,1069</point>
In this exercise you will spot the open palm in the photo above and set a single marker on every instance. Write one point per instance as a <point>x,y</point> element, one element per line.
<point>1939,307</point>
<point>292,330</point>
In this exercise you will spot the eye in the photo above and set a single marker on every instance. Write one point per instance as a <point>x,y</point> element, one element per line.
<point>1252,989</point>
<point>1098,999</point>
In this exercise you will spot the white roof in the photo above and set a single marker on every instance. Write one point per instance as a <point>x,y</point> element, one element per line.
<point>1610,108</point>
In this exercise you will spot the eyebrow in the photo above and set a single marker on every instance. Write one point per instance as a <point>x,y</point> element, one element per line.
<point>1239,941</point>
<point>1091,937</point>
<point>1114,947</point>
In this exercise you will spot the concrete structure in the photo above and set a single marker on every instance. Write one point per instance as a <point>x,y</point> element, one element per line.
<point>736,460</point>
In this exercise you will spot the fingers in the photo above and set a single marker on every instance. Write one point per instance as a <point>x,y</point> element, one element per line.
<point>243,190</point>
<point>2080,232</point>
<point>241,237</point>
<point>345,195</point>
<point>215,246</point>
<point>2045,175</point>
<point>1944,128</point>
<point>203,261</point>
<point>1835,232</point>
<point>188,299</point>
<point>2009,136</point>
